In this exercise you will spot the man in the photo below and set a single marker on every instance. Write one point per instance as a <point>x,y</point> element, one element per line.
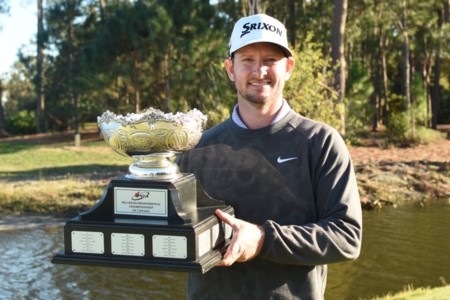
<point>289,179</point>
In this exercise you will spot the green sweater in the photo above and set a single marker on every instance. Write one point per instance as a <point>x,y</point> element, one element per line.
<point>296,179</point>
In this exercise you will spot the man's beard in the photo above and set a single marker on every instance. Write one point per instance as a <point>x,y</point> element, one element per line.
<point>255,99</point>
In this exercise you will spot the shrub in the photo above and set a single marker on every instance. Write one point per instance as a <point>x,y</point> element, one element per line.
<point>308,90</point>
<point>22,122</point>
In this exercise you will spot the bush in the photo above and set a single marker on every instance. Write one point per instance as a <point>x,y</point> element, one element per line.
<point>22,122</point>
<point>397,128</point>
<point>308,90</point>
<point>425,135</point>
<point>400,132</point>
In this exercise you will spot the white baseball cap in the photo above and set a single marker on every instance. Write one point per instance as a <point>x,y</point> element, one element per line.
<point>256,29</point>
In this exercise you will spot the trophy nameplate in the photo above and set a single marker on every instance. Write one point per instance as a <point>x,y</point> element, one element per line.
<point>87,242</point>
<point>154,217</point>
<point>127,244</point>
<point>145,202</point>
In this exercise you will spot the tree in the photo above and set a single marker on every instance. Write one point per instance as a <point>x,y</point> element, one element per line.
<point>395,42</point>
<point>127,48</point>
<point>337,53</point>
<point>127,55</point>
<point>65,34</point>
<point>40,100</point>
<point>21,94</point>
<point>403,26</point>
<point>443,13</point>
<point>3,131</point>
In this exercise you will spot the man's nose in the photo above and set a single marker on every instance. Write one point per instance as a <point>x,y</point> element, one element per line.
<point>260,69</point>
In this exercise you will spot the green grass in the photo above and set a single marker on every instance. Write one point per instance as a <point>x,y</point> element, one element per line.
<point>59,154</point>
<point>24,160</point>
<point>55,178</point>
<point>439,293</point>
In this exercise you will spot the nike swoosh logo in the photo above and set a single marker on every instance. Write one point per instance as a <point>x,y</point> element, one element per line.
<point>282,160</point>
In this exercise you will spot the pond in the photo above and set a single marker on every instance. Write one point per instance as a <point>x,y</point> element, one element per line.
<point>401,246</point>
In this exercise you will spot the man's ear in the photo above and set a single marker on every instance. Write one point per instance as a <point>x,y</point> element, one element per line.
<point>289,67</point>
<point>228,64</point>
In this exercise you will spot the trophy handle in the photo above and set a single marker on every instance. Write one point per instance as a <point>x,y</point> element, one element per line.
<point>204,200</point>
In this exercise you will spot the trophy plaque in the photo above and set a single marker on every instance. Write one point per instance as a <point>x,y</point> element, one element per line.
<point>154,217</point>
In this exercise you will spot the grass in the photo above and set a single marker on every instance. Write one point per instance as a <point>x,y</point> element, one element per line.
<point>19,158</point>
<point>56,177</point>
<point>439,293</point>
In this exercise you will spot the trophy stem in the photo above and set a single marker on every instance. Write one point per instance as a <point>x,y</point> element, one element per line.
<point>155,166</point>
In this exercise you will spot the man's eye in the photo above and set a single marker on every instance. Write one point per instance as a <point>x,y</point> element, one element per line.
<point>270,60</point>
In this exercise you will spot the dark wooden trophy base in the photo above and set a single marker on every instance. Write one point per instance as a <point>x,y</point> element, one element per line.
<point>149,224</point>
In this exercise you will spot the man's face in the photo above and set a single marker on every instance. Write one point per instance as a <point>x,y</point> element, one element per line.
<point>259,72</point>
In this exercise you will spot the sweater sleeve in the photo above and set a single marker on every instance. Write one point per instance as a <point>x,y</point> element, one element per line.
<point>336,234</point>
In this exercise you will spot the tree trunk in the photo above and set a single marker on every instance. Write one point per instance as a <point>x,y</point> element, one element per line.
<point>337,52</point>
<point>3,132</point>
<point>165,74</point>
<point>435,90</point>
<point>136,81</point>
<point>446,4</point>
<point>291,28</point>
<point>70,76</point>
<point>384,107</point>
<point>102,10</point>
<point>254,7</point>
<point>435,95</point>
<point>407,66</point>
<point>40,101</point>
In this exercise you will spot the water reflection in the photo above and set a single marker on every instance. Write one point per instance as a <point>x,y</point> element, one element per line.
<point>106,283</point>
<point>403,246</point>
<point>27,273</point>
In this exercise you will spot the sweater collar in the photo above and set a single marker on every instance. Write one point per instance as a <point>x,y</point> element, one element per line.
<point>284,110</point>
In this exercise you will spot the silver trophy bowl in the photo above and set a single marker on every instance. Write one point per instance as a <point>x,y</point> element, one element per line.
<point>153,138</point>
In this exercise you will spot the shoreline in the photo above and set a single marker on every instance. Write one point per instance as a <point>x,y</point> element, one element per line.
<point>397,176</point>
<point>400,183</point>
<point>9,222</point>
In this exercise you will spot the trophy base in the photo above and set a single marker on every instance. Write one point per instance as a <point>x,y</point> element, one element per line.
<point>201,266</point>
<point>145,244</point>
<point>174,229</point>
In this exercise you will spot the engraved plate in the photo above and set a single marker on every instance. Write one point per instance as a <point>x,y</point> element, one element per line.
<point>88,242</point>
<point>228,231</point>
<point>215,235</point>
<point>127,244</point>
<point>140,202</point>
<point>204,242</point>
<point>169,246</point>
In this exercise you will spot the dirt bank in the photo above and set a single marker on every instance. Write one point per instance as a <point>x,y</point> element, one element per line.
<point>394,176</point>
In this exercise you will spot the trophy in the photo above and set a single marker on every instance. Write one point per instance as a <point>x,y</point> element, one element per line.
<point>154,217</point>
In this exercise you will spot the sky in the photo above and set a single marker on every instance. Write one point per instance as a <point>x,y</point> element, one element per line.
<point>18,28</point>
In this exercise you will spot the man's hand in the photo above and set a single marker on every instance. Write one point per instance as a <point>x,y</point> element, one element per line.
<point>246,242</point>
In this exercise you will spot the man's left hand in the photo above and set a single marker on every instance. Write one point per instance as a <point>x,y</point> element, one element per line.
<point>246,242</point>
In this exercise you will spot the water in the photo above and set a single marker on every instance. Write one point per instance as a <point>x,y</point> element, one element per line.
<point>27,273</point>
<point>407,246</point>
<point>401,247</point>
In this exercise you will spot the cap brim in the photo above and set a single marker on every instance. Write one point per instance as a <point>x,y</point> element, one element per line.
<point>286,51</point>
